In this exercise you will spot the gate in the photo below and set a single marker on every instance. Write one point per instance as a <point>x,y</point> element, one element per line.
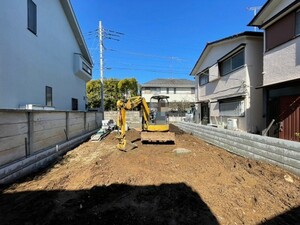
<point>289,117</point>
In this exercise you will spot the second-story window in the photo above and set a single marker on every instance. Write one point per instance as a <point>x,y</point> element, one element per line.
<point>174,90</point>
<point>192,90</point>
<point>31,16</point>
<point>204,77</point>
<point>86,68</point>
<point>234,62</point>
<point>156,90</point>
<point>298,23</point>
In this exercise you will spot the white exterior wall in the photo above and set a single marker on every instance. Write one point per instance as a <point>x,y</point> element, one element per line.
<point>220,86</point>
<point>182,94</point>
<point>254,60</point>
<point>241,82</point>
<point>282,63</point>
<point>30,62</point>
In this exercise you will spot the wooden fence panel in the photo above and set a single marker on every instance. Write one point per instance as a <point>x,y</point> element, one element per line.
<point>28,132</point>
<point>13,134</point>
<point>48,130</point>
<point>76,124</point>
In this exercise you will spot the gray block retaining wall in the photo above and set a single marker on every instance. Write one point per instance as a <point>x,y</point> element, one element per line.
<point>283,153</point>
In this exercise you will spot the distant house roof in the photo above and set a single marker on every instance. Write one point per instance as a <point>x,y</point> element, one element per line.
<point>211,44</point>
<point>169,83</point>
<point>76,30</point>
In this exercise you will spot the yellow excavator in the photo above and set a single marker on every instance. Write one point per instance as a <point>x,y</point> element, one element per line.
<point>155,124</point>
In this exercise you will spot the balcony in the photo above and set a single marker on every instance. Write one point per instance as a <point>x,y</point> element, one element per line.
<point>82,69</point>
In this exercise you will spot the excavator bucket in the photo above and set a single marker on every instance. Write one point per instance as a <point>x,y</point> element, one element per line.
<point>159,137</point>
<point>123,145</point>
<point>126,147</point>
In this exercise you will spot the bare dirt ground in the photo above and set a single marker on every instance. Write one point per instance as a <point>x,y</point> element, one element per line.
<point>97,184</point>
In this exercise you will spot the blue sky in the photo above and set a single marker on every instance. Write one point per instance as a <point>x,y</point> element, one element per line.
<point>162,39</point>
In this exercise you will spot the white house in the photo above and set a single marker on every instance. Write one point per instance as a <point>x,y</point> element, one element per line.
<point>280,20</point>
<point>44,61</point>
<point>178,90</point>
<point>227,74</point>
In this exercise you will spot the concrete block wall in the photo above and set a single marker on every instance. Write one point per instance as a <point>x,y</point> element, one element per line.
<point>283,153</point>
<point>25,133</point>
<point>133,118</point>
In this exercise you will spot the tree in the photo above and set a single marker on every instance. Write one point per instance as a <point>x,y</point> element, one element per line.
<point>114,89</point>
<point>111,94</point>
<point>93,94</point>
<point>128,86</point>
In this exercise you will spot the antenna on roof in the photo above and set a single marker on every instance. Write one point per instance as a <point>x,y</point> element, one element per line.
<point>255,10</point>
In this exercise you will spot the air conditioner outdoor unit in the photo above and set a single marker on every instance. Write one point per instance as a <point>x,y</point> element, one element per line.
<point>232,124</point>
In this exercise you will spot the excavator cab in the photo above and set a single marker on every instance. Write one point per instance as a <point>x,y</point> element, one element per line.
<point>159,107</point>
<point>157,129</point>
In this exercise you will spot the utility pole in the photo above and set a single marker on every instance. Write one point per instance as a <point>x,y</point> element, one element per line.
<point>105,34</point>
<point>101,66</point>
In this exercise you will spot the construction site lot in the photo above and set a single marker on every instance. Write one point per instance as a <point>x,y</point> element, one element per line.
<point>189,182</point>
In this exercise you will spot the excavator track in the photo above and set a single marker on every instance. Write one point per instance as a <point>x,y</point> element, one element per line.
<point>159,137</point>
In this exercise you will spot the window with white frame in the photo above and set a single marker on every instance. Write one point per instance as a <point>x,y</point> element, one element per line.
<point>232,107</point>
<point>204,77</point>
<point>31,16</point>
<point>234,62</point>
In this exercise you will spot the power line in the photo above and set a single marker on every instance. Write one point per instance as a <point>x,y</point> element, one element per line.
<point>146,70</point>
<point>147,55</point>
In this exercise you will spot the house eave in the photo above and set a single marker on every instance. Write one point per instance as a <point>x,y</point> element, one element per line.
<point>67,7</point>
<point>259,19</point>
<point>212,44</point>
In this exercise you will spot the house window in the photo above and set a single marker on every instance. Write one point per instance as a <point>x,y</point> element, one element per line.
<point>31,16</point>
<point>192,90</point>
<point>74,104</point>
<point>232,108</point>
<point>49,101</point>
<point>86,68</point>
<point>156,90</point>
<point>298,23</point>
<point>232,63</point>
<point>167,90</point>
<point>174,90</point>
<point>204,77</point>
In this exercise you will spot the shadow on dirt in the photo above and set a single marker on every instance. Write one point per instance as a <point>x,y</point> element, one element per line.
<point>113,204</point>
<point>288,218</point>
